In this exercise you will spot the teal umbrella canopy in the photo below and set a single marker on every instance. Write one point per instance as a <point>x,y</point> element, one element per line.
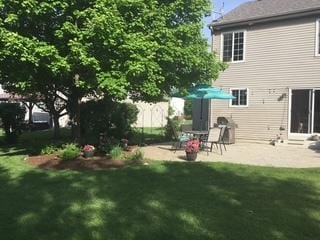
<point>203,91</point>
<point>203,88</point>
<point>208,93</point>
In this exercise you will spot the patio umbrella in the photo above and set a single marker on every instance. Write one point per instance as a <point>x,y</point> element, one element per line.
<point>206,92</point>
<point>219,94</point>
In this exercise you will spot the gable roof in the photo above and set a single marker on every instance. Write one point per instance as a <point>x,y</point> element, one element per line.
<point>267,9</point>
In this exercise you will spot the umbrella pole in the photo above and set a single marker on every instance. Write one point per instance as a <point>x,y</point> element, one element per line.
<point>201,113</point>
<point>209,115</point>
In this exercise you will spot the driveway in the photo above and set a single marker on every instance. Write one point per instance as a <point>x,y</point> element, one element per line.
<point>245,153</point>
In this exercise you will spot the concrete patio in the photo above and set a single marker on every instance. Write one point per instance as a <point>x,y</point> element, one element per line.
<point>244,153</point>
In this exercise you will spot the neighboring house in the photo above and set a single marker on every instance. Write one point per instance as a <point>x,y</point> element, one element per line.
<point>150,114</point>
<point>177,105</point>
<point>272,48</point>
<point>38,115</point>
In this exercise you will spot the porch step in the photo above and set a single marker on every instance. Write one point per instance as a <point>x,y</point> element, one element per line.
<point>296,142</point>
<point>300,143</point>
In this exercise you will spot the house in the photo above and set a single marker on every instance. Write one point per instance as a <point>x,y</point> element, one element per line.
<point>151,115</point>
<point>38,115</point>
<point>272,48</point>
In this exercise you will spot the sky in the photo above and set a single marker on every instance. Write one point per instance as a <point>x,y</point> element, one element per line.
<point>217,4</point>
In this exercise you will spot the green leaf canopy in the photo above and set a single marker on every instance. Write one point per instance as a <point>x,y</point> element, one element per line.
<point>141,48</point>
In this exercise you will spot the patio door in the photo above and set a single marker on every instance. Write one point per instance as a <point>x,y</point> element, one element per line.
<point>301,111</point>
<point>316,112</point>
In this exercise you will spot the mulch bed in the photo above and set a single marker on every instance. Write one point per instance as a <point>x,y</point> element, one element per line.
<point>53,162</point>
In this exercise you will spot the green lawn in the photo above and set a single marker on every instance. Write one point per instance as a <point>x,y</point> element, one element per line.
<point>148,135</point>
<point>160,201</point>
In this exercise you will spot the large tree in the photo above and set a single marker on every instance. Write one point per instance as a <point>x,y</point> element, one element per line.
<point>115,48</point>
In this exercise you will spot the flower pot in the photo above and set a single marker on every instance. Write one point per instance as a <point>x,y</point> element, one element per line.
<point>191,156</point>
<point>88,154</point>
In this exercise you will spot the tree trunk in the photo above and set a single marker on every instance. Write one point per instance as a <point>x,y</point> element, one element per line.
<point>56,127</point>
<point>77,129</point>
<point>30,108</point>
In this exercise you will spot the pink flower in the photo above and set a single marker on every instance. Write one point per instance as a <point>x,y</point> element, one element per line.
<point>88,148</point>
<point>192,146</point>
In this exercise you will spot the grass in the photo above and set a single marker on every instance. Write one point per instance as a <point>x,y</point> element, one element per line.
<point>159,201</point>
<point>148,135</point>
<point>35,142</point>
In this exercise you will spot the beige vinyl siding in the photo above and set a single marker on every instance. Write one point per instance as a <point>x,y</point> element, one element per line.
<point>279,56</point>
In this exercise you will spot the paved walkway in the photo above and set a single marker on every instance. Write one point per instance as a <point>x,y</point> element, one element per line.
<point>245,153</point>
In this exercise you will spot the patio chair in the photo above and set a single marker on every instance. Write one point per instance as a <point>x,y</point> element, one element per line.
<point>215,137</point>
<point>186,127</point>
<point>179,139</point>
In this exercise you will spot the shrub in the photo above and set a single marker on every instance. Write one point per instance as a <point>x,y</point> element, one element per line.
<point>137,157</point>
<point>172,126</point>
<point>188,109</point>
<point>109,117</point>
<point>69,152</point>
<point>116,153</point>
<point>124,116</point>
<point>12,118</point>
<point>49,150</point>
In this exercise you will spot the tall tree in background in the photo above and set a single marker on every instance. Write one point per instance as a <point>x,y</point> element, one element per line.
<point>111,48</point>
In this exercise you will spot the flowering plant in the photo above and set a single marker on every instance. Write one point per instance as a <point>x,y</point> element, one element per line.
<point>193,146</point>
<point>88,148</point>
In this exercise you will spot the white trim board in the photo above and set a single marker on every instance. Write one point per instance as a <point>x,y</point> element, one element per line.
<point>317,50</point>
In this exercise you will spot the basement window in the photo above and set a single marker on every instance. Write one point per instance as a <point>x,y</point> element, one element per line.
<point>241,97</point>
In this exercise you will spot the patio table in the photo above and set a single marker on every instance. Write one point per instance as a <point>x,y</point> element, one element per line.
<point>196,133</point>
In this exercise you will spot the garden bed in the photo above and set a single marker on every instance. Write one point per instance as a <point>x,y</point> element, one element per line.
<point>53,162</point>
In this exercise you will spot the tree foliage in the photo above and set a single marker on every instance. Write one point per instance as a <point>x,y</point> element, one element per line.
<point>12,118</point>
<point>117,48</point>
<point>105,116</point>
<point>188,109</point>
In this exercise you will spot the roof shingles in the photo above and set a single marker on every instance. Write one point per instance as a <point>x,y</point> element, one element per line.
<point>267,8</point>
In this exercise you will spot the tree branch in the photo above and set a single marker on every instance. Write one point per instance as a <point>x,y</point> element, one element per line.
<point>42,108</point>
<point>63,114</point>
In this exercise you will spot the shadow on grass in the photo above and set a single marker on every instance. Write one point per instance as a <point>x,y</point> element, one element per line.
<point>32,143</point>
<point>161,201</point>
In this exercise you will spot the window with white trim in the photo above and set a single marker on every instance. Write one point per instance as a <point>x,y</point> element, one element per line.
<point>241,97</point>
<point>233,46</point>
<point>318,37</point>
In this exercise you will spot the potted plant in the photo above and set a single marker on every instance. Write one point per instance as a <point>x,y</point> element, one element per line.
<point>192,149</point>
<point>124,144</point>
<point>88,151</point>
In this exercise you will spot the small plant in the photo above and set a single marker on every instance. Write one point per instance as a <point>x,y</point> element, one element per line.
<point>172,128</point>
<point>137,157</point>
<point>88,148</point>
<point>124,143</point>
<point>49,150</point>
<point>69,152</point>
<point>88,151</point>
<point>116,153</point>
<point>192,146</point>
